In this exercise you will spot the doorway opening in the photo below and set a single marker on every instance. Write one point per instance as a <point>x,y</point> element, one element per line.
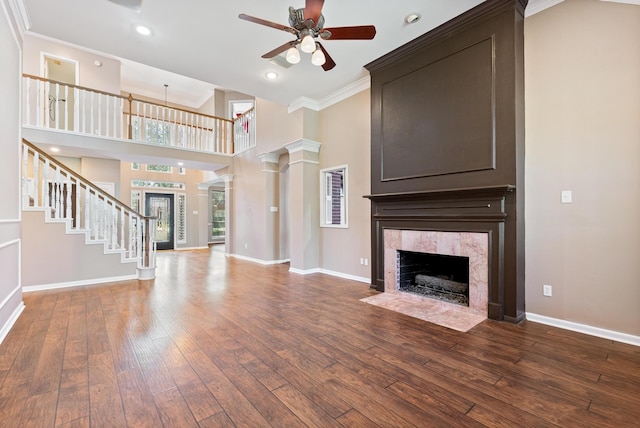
<point>60,103</point>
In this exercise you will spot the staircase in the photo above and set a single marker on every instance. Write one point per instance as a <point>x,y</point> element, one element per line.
<point>87,211</point>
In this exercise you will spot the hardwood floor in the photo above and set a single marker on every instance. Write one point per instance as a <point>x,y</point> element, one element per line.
<point>224,342</point>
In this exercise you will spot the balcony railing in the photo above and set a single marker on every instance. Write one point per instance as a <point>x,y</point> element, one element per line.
<point>63,195</point>
<point>54,105</point>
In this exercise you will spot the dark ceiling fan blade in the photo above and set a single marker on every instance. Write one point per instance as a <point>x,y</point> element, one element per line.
<point>267,23</point>
<point>279,50</point>
<point>362,32</point>
<point>313,10</point>
<point>329,63</point>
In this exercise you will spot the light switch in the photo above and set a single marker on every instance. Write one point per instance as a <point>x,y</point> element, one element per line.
<point>566,197</point>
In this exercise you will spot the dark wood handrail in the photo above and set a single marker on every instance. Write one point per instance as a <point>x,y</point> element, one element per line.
<point>86,182</point>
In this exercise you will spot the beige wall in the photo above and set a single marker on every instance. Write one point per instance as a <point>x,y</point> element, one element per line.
<point>345,133</point>
<point>275,126</point>
<point>582,76</point>
<point>105,78</point>
<point>10,218</point>
<point>56,257</point>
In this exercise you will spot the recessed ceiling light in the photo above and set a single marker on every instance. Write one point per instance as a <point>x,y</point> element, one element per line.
<point>271,75</point>
<point>55,149</point>
<point>412,18</point>
<point>180,163</point>
<point>145,31</point>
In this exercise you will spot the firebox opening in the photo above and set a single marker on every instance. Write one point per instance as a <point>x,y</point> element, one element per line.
<point>435,276</point>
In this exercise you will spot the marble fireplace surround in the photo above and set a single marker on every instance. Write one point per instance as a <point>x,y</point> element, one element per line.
<point>473,245</point>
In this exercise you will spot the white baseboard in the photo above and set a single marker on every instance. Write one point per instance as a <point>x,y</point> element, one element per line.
<point>304,272</point>
<point>586,329</point>
<point>262,262</point>
<point>53,286</point>
<point>206,247</point>
<point>346,276</point>
<point>11,321</point>
<point>332,273</point>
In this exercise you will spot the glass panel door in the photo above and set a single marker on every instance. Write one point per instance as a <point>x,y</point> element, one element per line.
<point>160,205</point>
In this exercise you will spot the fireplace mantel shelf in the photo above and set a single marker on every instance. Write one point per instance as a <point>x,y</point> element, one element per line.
<point>464,192</point>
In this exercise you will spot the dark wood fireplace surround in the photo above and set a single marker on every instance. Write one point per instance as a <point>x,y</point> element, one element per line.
<point>447,142</point>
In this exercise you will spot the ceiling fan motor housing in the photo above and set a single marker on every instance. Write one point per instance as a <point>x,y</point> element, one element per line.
<point>296,20</point>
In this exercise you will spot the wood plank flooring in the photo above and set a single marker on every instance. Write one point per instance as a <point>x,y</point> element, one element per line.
<point>216,342</point>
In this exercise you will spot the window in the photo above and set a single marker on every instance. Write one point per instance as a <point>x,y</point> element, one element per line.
<point>181,227</point>
<point>159,168</point>
<point>136,197</point>
<point>217,214</point>
<point>333,183</point>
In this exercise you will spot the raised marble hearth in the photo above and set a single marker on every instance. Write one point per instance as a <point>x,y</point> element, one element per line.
<point>473,245</point>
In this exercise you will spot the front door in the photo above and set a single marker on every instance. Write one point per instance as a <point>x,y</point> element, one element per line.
<point>160,205</point>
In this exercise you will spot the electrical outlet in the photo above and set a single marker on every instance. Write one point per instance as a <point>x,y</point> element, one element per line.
<point>361,261</point>
<point>547,290</point>
<point>566,197</point>
<point>366,262</point>
<point>246,246</point>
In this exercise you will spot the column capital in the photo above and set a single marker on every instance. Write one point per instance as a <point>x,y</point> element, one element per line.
<point>303,144</point>
<point>270,157</point>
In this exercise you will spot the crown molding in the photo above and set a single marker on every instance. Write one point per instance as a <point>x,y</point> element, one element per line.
<point>350,90</point>
<point>536,6</point>
<point>18,17</point>
<point>636,2</point>
<point>304,102</point>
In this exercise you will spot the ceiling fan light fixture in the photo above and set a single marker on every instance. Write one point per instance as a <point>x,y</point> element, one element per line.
<point>293,56</point>
<point>318,57</point>
<point>308,45</point>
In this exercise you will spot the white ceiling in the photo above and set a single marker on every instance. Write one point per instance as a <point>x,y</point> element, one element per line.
<point>197,45</point>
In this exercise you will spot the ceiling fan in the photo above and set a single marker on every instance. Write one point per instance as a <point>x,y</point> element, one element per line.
<point>307,24</point>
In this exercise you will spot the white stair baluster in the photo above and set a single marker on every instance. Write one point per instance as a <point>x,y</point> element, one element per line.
<point>25,178</point>
<point>36,181</point>
<point>63,106</point>
<point>92,118</point>
<point>68,199</point>
<point>99,129</point>
<point>78,206</point>
<point>107,115</point>
<point>87,210</point>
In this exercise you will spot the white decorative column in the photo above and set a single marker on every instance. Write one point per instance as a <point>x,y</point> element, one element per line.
<point>272,224</point>
<point>304,205</point>
<point>228,214</point>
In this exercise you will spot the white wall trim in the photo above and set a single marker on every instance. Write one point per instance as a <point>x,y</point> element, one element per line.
<point>53,286</point>
<point>6,328</point>
<point>259,261</point>
<point>9,243</point>
<point>204,247</point>
<point>18,16</point>
<point>10,220</point>
<point>637,2</point>
<point>304,272</point>
<point>304,102</point>
<point>350,90</point>
<point>346,276</point>
<point>536,6</point>
<point>304,161</point>
<point>586,329</point>
<point>303,144</point>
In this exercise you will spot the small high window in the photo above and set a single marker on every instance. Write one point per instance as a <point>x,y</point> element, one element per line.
<point>333,183</point>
